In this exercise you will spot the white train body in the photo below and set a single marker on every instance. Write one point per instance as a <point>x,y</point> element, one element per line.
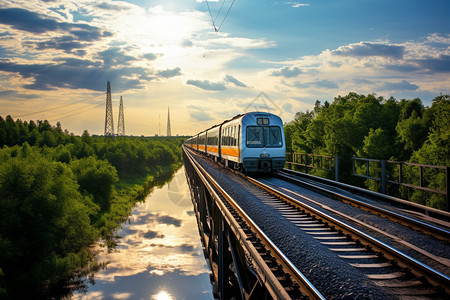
<point>253,142</point>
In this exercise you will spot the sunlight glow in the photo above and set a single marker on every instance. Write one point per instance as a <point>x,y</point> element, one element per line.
<point>162,295</point>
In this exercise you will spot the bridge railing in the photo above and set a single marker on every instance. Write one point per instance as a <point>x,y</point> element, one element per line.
<point>397,173</point>
<point>314,161</point>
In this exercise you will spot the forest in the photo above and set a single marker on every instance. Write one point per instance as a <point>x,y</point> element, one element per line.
<point>372,127</point>
<point>61,193</point>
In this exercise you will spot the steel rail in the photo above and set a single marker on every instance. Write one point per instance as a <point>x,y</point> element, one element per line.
<point>275,287</point>
<point>417,268</point>
<point>437,232</point>
<point>437,214</point>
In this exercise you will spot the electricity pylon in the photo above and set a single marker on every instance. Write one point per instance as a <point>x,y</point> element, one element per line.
<point>169,132</point>
<point>121,124</point>
<point>109,123</point>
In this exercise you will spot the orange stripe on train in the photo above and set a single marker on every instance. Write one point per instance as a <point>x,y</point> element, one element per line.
<point>231,152</point>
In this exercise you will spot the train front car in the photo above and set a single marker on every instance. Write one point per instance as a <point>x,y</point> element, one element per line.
<point>262,145</point>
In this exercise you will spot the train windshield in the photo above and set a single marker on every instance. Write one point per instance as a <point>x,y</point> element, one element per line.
<point>264,136</point>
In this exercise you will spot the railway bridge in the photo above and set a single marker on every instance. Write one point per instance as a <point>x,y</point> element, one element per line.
<point>287,236</point>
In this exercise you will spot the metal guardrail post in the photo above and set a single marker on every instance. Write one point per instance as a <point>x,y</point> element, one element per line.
<point>306,163</point>
<point>336,168</point>
<point>447,188</point>
<point>383,176</point>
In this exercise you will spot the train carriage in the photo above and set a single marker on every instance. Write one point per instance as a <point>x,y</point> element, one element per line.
<point>253,142</point>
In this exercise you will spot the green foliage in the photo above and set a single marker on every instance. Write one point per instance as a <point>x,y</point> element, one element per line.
<point>60,193</point>
<point>371,127</point>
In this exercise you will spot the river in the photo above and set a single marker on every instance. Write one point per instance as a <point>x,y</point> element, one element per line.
<point>159,255</point>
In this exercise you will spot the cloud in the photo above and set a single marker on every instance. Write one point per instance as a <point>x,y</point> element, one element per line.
<point>287,72</point>
<point>399,86</point>
<point>296,4</point>
<point>168,220</point>
<point>439,64</point>
<point>329,84</point>
<point>364,49</point>
<point>109,6</point>
<point>25,20</point>
<point>115,56</point>
<point>68,75</point>
<point>207,85</point>
<point>229,78</point>
<point>65,43</point>
<point>187,44</point>
<point>150,56</point>
<point>169,73</point>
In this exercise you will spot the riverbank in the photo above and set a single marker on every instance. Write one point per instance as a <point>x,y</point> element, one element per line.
<point>158,255</point>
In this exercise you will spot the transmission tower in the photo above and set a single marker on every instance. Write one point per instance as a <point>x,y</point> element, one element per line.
<point>109,123</point>
<point>169,133</point>
<point>121,124</point>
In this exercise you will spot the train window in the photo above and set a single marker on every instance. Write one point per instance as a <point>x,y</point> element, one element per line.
<point>264,136</point>
<point>272,136</point>
<point>255,137</point>
<point>262,121</point>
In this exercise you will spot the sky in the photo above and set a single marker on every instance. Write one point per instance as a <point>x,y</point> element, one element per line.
<point>56,57</point>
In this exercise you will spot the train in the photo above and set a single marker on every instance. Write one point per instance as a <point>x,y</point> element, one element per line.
<point>251,143</point>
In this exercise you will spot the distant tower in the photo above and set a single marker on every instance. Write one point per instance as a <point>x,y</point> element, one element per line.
<point>169,133</point>
<point>121,124</point>
<point>109,123</point>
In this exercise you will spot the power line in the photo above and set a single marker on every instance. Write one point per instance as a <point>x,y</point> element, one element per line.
<point>72,113</point>
<point>226,15</point>
<point>213,20</point>
<point>57,107</point>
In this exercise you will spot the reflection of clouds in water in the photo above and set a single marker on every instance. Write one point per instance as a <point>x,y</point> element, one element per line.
<point>151,282</point>
<point>152,234</point>
<point>160,247</point>
<point>155,218</point>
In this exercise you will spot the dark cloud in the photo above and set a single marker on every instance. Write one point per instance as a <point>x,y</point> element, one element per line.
<point>207,85</point>
<point>169,73</point>
<point>25,20</point>
<point>109,6</point>
<point>229,78</point>
<point>69,75</point>
<point>65,43</point>
<point>408,67</point>
<point>190,213</point>
<point>440,65</point>
<point>115,56</point>
<point>399,86</point>
<point>287,72</point>
<point>371,49</point>
<point>169,220</point>
<point>153,235</point>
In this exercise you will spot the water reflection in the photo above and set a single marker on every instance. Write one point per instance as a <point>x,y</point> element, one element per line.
<point>159,255</point>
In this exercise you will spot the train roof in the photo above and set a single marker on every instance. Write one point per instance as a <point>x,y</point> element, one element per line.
<point>234,118</point>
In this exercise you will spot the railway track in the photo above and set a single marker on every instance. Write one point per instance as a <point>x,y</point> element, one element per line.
<point>385,265</point>
<point>285,281</point>
<point>394,272</point>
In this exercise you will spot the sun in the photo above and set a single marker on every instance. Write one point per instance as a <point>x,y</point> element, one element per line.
<point>162,295</point>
